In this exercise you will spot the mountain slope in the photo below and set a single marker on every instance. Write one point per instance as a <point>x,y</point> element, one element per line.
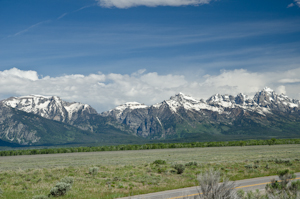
<point>19,128</point>
<point>28,129</point>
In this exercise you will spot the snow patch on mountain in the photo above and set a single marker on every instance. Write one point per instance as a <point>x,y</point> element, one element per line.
<point>75,107</point>
<point>131,105</point>
<point>117,112</point>
<point>50,107</point>
<point>187,102</point>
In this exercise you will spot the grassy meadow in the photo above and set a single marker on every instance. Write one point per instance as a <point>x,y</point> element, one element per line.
<point>123,173</point>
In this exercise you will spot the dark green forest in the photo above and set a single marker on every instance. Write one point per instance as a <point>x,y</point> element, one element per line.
<point>241,143</point>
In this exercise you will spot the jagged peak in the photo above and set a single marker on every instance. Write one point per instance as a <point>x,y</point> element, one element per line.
<point>31,99</point>
<point>216,96</point>
<point>220,98</point>
<point>182,97</point>
<point>51,107</point>
<point>242,95</point>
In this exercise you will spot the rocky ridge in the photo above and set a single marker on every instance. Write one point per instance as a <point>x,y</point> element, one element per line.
<point>154,121</point>
<point>51,107</point>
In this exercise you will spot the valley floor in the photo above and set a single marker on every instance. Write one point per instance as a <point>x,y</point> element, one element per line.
<point>123,173</point>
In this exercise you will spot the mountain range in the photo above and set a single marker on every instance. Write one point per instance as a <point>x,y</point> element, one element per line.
<point>42,120</point>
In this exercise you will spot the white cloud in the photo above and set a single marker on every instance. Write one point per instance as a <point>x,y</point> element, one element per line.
<point>105,91</point>
<point>281,89</point>
<point>150,3</point>
<point>14,72</point>
<point>240,80</point>
<point>289,80</point>
<point>290,5</point>
<point>297,2</point>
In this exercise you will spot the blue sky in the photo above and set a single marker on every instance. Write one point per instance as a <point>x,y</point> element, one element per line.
<point>148,50</point>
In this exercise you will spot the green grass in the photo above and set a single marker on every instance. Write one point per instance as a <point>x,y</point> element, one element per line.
<point>123,173</point>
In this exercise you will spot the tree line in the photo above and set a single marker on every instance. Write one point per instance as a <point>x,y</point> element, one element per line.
<point>241,143</point>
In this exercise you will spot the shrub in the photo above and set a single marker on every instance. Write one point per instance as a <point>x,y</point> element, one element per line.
<point>295,186</point>
<point>255,166</point>
<point>68,180</point>
<point>240,193</point>
<point>120,185</point>
<point>117,179</point>
<point>285,176</point>
<point>179,168</point>
<point>40,197</point>
<point>161,169</point>
<point>249,166</point>
<point>60,189</point>
<point>287,162</point>
<point>191,164</point>
<point>159,162</point>
<point>267,166</point>
<point>283,188</point>
<point>211,189</point>
<point>93,170</point>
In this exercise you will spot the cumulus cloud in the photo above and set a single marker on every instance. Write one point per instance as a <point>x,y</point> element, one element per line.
<point>150,3</point>
<point>281,89</point>
<point>105,91</point>
<point>240,80</point>
<point>14,72</point>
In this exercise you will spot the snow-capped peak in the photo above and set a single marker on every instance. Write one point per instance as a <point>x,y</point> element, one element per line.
<point>188,103</point>
<point>180,97</point>
<point>221,100</point>
<point>75,107</point>
<point>264,102</point>
<point>117,112</point>
<point>50,107</point>
<point>269,99</point>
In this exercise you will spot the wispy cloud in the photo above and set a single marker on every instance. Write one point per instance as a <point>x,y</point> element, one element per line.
<point>150,3</point>
<point>47,21</point>
<point>289,81</point>
<point>30,27</point>
<point>61,16</point>
<point>297,2</point>
<point>84,7</point>
<point>290,5</point>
